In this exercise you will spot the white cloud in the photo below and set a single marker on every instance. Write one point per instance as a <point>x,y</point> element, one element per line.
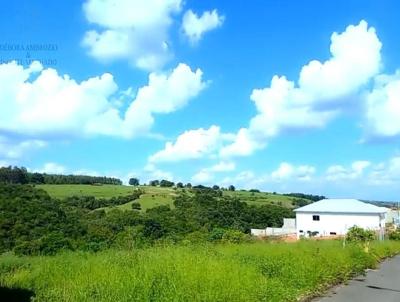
<point>194,27</point>
<point>40,103</point>
<point>191,144</point>
<point>14,149</point>
<point>134,30</point>
<point>320,94</point>
<point>383,108</point>
<point>203,177</point>
<point>206,175</point>
<point>385,173</point>
<point>288,171</point>
<point>52,168</point>
<point>339,172</point>
<point>152,172</point>
<point>245,143</point>
<point>223,166</point>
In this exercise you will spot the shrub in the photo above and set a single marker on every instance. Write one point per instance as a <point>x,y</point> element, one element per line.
<point>235,236</point>
<point>357,234</point>
<point>136,206</point>
<point>394,235</point>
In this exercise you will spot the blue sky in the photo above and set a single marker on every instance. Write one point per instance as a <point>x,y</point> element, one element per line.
<point>278,95</point>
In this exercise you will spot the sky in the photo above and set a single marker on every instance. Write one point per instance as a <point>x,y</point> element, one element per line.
<point>285,96</point>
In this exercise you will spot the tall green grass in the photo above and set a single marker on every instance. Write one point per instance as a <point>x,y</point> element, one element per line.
<point>245,272</point>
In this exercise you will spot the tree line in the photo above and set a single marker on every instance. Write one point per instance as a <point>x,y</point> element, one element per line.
<point>306,196</point>
<point>17,175</point>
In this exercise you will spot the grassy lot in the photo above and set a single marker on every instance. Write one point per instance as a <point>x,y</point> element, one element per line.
<point>243,272</point>
<point>262,197</point>
<point>104,191</point>
<point>155,196</point>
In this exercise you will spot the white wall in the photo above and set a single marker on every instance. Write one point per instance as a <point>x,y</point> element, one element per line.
<point>337,222</point>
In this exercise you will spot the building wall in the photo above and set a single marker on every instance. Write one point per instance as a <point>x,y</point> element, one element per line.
<point>289,227</point>
<point>337,223</point>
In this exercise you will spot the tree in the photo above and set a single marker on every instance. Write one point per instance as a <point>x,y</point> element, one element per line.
<point>154,183</point>
<point>36,178</point>
<point>133,181</point>
<point>188,185</point>
<point>136,206</point>
<point>231,188</point>
<point>215,187</point>
<point>166,183</point>
<point>179,185</point>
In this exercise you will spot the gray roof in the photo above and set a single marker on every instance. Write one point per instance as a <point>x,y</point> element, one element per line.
<point>341,206</point>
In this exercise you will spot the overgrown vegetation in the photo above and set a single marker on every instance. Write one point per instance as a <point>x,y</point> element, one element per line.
<point>395,235</point>
<point>245,272</point>
<point>31,222</point>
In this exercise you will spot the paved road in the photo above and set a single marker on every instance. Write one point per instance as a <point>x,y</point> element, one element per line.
<point>381,285</point>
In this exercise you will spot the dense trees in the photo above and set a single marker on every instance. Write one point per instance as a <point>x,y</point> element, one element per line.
<point>166,183</point>
<point>306,196</point>
<point>80,179</point>
<point>154,183</point>
<point>15,175</point>
<point>31,222</point>
<point>133,181</point>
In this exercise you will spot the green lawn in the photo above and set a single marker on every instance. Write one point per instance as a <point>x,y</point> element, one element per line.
<point>243,272</point>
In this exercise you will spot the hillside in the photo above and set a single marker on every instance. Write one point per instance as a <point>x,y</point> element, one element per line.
<point>155,196</point>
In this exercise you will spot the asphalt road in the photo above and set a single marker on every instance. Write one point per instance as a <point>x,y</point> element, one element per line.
<point>381,285</point>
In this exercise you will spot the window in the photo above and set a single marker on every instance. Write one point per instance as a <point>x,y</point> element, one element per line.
<point>332,233</point>
<point>315,217</point>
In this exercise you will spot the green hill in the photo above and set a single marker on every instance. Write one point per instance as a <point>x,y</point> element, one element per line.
<point>156,196</point>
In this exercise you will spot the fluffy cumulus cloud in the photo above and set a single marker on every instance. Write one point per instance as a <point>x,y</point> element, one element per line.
<point>203,177</point>
<point>287,171</point>
<point>133,30</point>
<point>192,144</point>
<point>40,103</point>
<point>194,26</point>
<point>285,177</point>
<point>383,108</point>
<point>339,172</point>
<point>321,92</point>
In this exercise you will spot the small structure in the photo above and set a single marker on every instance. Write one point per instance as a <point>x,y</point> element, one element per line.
<point>333,217</point>
<point>288,228</point>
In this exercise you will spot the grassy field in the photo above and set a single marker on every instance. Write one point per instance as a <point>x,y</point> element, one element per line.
<point>104,191</point>
<point>244,272</point>
<point>155,196</point>
<point>261,197</point>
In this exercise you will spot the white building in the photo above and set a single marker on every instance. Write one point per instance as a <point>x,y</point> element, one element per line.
<point>331,217</point>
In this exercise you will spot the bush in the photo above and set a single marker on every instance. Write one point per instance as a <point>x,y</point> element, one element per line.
<point>394,235</point>
<point>136,206</point>
<point>357,234</point>
<point>235,236</point>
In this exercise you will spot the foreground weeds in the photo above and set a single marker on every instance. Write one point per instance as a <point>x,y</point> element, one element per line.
<point>244,272</point>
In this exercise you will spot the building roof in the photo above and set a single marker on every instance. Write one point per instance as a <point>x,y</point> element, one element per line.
<point>341,206</point>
